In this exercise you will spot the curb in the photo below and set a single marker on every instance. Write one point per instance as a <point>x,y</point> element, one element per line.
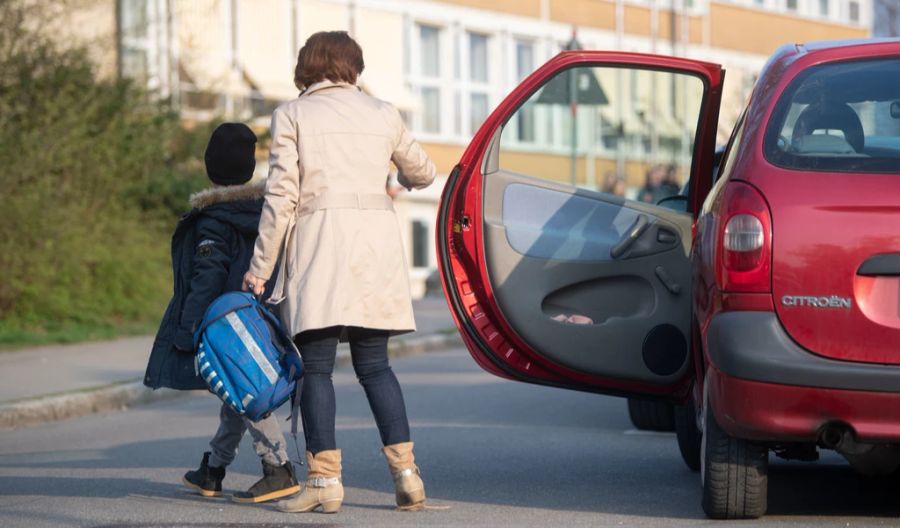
<point>120,396</point>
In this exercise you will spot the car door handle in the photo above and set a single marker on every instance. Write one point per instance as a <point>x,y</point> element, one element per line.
<point>634,232</point>
<point>881,265</point>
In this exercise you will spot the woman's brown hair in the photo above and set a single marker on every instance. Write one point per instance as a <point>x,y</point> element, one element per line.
<point>332,55</point>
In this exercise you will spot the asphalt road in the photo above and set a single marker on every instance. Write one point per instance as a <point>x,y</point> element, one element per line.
<point>492,452</point>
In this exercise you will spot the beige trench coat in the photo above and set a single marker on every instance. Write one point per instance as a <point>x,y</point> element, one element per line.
<point>327,221</point>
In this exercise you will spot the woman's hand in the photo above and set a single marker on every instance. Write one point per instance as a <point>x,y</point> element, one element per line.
<point>253,284</point>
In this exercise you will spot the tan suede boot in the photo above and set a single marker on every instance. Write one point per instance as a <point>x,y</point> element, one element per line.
<point>410,490</point>
<point>323,485</point>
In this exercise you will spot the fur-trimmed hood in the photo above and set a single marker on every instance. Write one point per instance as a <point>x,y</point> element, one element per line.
<point>239,205</point>
<point>231,193</point>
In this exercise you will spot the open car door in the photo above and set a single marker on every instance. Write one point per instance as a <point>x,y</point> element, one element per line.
<point>552,276</point>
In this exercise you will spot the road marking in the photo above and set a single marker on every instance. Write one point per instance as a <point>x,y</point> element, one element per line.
<point>637,432</point>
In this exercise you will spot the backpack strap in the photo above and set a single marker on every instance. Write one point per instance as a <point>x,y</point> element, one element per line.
<point>284,344</point>
<point>295,412</point>
<point>206,320</point>
<point>287,346</point>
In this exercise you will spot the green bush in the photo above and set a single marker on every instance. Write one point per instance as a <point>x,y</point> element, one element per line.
<point>94,173</point>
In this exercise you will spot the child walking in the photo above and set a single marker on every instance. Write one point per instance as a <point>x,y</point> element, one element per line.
<point>211,249</point>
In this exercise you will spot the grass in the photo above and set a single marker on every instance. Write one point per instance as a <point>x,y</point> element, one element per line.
<point>14,337</point>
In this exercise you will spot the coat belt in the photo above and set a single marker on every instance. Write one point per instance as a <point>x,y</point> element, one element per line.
<point>346,201</point>
<point>361,201</point>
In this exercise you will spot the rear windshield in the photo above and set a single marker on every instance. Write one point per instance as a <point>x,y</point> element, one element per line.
<point>839,117</point>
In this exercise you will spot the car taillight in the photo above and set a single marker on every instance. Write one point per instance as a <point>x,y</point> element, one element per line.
<point>745,240</point>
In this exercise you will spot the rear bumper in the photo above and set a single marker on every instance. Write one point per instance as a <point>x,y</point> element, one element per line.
<point>763,386</point>
<point>783,413</point>
<point>754,346</point>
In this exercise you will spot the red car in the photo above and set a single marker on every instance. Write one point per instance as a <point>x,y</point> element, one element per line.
<point>764,300</point>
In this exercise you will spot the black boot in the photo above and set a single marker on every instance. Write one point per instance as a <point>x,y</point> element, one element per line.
<point>277,482</point>
<point>205,480</point>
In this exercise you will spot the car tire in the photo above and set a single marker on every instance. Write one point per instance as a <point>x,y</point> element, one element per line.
<point>690,438</point>
<point>648,415</point>
<point>735,474</point>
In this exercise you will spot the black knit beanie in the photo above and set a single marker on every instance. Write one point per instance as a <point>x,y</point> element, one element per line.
<point>230,155</point>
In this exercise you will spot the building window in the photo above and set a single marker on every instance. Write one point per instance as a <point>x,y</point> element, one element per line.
<point>478,57</point>
<point>525,126</point>
<point>144,53</point>
<point>479,78</point>
<point>791,5</point>
<point>478,110</point>
<point>134,19</point>
<point>430,51</point>
<point>823,7</point>
<point>429,78</point>
<point>854,11</point>
<point>419,244</point>
<point>524,58</point>
<point>431,109</point>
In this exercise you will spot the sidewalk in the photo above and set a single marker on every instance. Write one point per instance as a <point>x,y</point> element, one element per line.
<point>58,381</point>
<point>54,369</point>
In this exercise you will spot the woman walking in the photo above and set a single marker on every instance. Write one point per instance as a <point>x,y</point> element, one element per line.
<point>342,272</point>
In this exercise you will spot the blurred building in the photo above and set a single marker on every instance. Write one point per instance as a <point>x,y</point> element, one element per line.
<point>886,18</point>
<point>447,63</point>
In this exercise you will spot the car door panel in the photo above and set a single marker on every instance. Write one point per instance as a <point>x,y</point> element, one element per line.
<point>548,253</point>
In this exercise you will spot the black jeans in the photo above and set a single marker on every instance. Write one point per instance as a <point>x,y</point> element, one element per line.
<point>368,349</point>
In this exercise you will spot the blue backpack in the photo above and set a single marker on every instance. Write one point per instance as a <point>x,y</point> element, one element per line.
<point>245,356</point>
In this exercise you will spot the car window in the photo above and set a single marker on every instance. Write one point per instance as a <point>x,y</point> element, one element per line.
<point>624,131</point>
<point>840,117</point>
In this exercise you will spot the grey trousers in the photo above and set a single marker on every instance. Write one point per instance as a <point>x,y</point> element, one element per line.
<point>268,440</point>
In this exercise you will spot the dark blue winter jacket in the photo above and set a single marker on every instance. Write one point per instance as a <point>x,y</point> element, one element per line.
<point>211,250</point>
